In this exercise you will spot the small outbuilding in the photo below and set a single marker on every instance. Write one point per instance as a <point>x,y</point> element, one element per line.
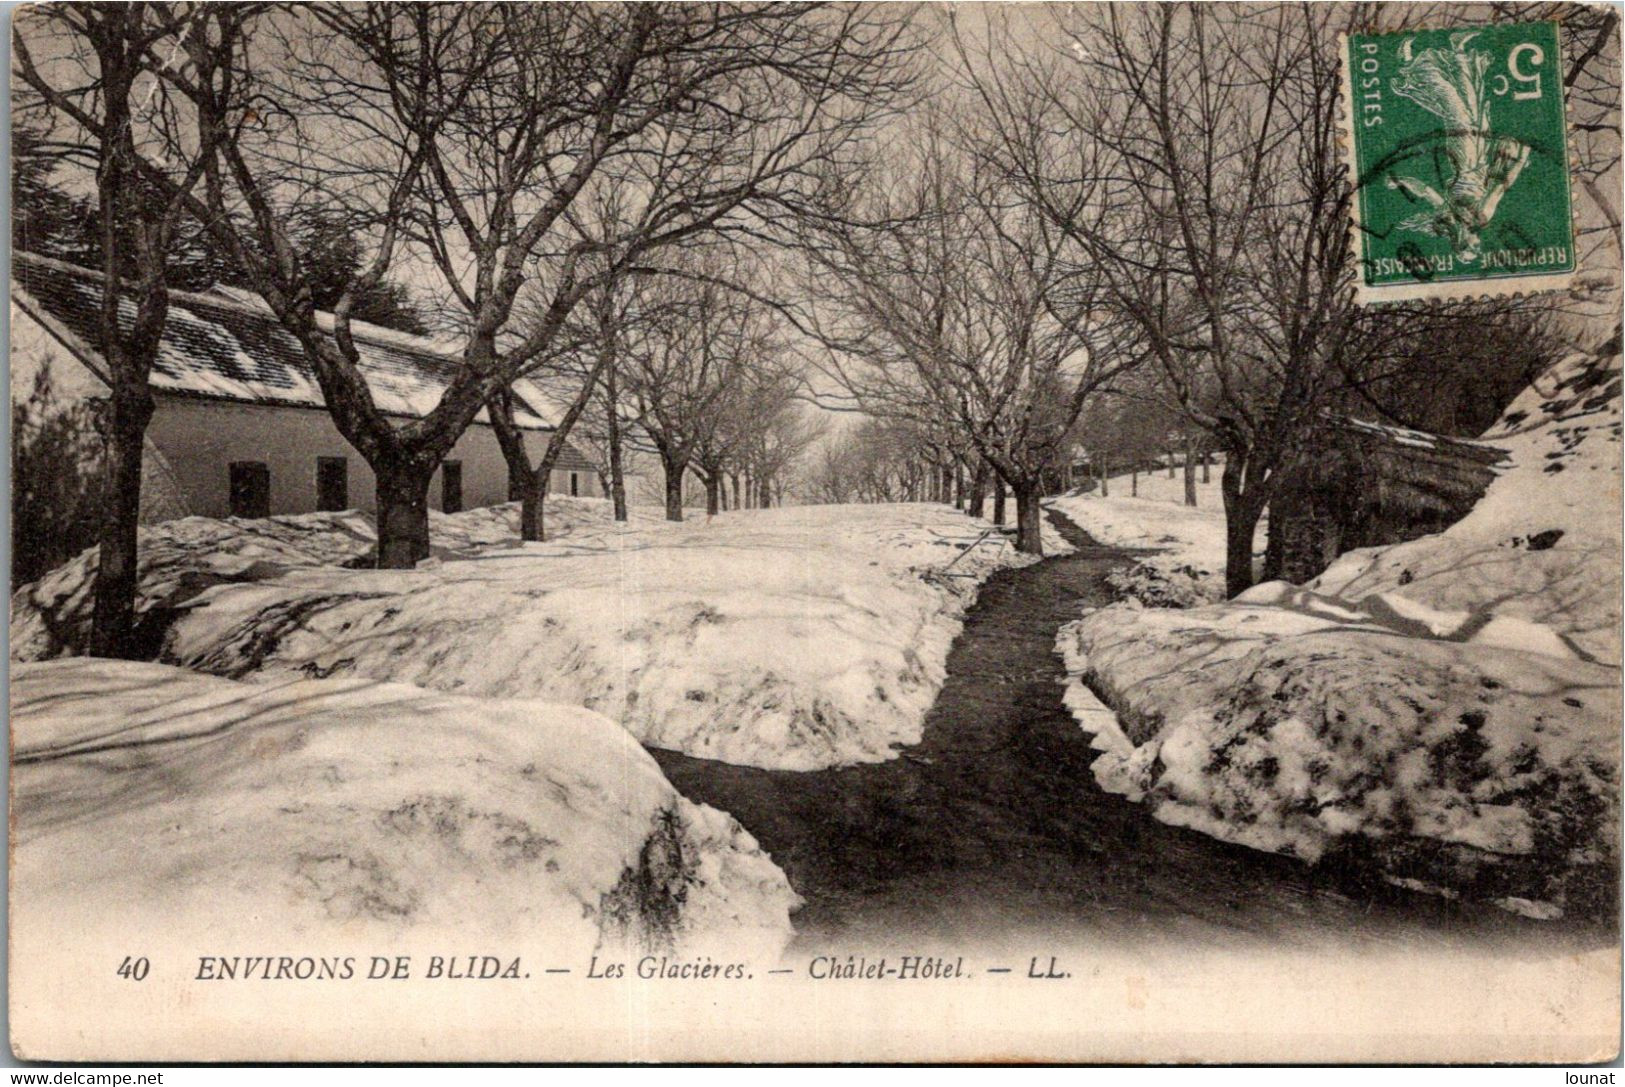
<point>240,428</point>
<point>1369,484</point>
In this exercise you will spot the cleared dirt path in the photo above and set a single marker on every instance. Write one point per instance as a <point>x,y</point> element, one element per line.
<point>992,825</point>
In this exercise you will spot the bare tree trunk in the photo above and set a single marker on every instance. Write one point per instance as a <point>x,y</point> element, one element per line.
<point>713,488</point>
<point>112,625</point>
<point>734,479</point>
<point>617,472</point>
<point>998,499</point>
<point>674,487</point>
<point>403,514</point>
<point>1134,481</point>
<point>1238,551</point>
<point>511,440</point>
<point>1105,477</point>
<point>129,353</point>
<point>978,489</point>
<point>532,524</point>
<point>1275,539</point>
<point>1190,473</point>
<point>531,509</point>
<point>1170,464</point>
<point>1029,518</point>
<point>1207,467</point>
<point>959,486</point>
<point>1241,515</point>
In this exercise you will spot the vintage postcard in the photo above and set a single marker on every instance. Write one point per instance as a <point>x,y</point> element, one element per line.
<point>815,533</point>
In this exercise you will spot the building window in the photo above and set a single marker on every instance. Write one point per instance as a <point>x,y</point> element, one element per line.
<point>451,486</point>
<point>250,488</point>
<point>332,483</point>
<point>575,485</point>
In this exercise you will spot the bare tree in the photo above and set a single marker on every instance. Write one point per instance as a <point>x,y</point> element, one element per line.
<point>687,375</point>
<point>775,446</point>
<point>462,137</point>
<point>749,431</point>
<point>1223,227</point>
<point>101,92</point>
<point>603,433</point>
<point>961,305</point>
<point>1219,206</point>
<point>878,460</point>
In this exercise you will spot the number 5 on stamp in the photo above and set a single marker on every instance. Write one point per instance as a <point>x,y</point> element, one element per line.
<point>1458,153</point>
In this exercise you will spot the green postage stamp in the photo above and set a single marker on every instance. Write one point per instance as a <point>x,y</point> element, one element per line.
<point>1459,156</point>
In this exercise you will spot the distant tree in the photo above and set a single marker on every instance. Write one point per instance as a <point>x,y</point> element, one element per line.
<point>876,460</point>
<point>955,305</point>
<point>51,221</point>
<point>780,434</point>
<point>686,373</point>
<point>334,260</point>
<point>593,346</point>
<point>757,429</point>
<point>604,434</point>
<point>1453,371</point>
<point>44,218</point>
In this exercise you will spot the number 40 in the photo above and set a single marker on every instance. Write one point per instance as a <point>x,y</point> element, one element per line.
<point>133,969</point>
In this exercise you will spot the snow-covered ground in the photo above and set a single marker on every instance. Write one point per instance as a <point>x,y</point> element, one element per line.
<point>789,638</point>
<point>147,799</point>
<point>179,558</point>
<point>1448,708</point>
<point>1185,560</point>
<point>1544,542</point>
<point>1287,727</point>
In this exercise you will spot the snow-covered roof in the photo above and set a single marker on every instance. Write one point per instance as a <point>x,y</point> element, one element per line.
<point>1416,439</point>
<point>229,346</point>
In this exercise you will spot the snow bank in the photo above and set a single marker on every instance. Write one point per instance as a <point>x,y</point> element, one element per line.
<point>1544,542</point>
<point>788,639</point>
<point>180,558</point>
<point>1457,764</point>
<point>146,799</point>
<point>1447,709</point>
<point>1184,565</point>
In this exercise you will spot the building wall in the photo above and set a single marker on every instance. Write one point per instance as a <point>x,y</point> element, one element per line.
<point>33,350</point>
<point>201,438</point>
<point>191,443</point>
<point>1361,490</point>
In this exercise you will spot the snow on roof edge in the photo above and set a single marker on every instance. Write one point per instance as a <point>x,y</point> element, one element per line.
<point>248,303</point>
<point>91,359</point>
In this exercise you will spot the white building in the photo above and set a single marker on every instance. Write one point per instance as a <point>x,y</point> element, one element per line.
<point>240,428</point>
